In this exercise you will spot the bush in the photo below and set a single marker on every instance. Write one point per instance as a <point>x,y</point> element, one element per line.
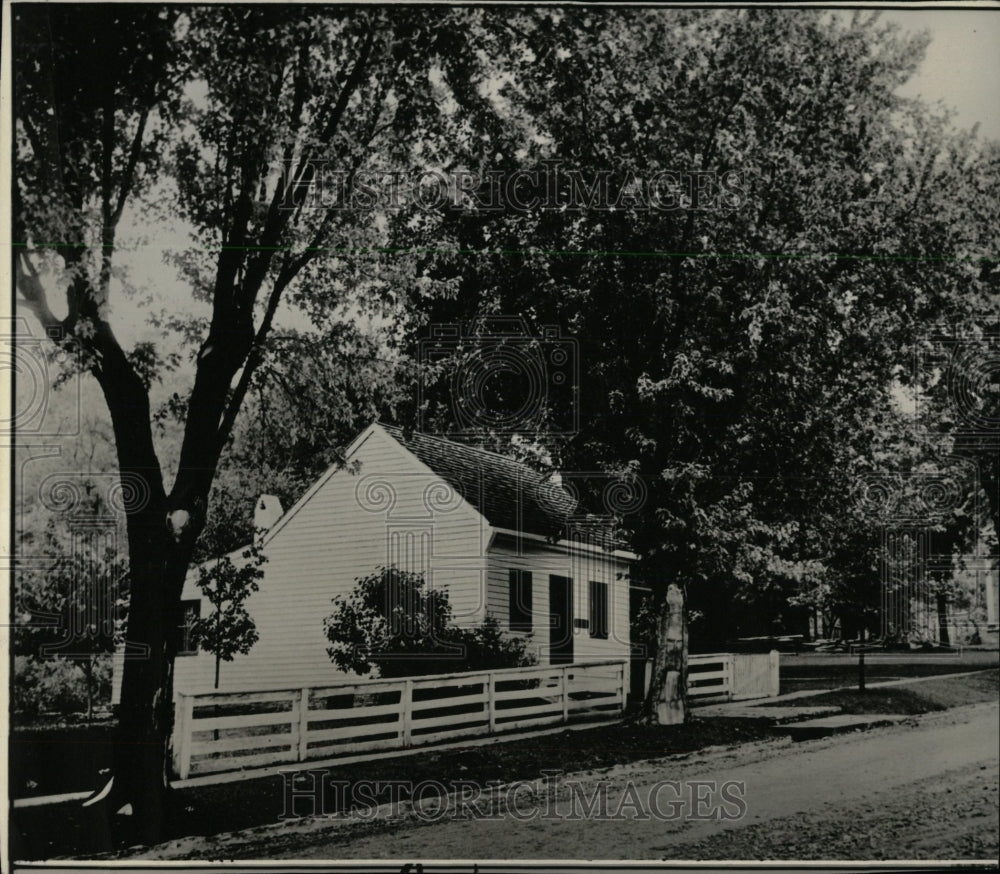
<point>391,623</point>
<point>48,686</point>
<point>487,648</point>
<point>59,686</point>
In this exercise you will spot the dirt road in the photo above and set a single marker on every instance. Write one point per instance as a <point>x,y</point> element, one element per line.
<point>923,789</point>
<point>928,789</point>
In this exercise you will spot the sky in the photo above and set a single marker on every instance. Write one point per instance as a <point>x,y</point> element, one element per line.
<point>962,65</point>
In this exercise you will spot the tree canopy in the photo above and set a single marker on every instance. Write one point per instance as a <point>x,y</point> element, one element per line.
<point>744,354</point>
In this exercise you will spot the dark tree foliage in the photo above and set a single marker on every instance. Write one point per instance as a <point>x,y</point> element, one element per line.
<point>744,351</point>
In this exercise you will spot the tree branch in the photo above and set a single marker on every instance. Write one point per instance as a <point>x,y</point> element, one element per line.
<point>128,180</point>
<point>32,293</point>
<point>278,218</point>
<point>350,85</point>
<point>254,357</point>
<point>312,250</point>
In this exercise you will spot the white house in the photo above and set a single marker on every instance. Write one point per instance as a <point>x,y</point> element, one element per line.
<point>494,534</point>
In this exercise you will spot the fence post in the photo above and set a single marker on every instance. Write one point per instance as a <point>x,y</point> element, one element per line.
<point>624,668</point>
<point>775,677</point>
<point>177,735</point>
<point>491,691</point>
<point>730,675</point>
<point>406,702</point>
<point>303,724</point>
<point>186,726</point>
<point>565,693</point>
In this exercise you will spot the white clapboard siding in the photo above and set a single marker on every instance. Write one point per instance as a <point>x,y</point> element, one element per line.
<point>339,533</point>
<point>543,560</point>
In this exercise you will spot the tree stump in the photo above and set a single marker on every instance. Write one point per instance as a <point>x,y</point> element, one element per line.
<point>666,698</point>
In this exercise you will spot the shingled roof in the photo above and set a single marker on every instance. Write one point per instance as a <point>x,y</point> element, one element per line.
<point>508,493</point>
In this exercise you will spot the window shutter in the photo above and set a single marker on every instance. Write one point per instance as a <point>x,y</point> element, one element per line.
<point>520,600</point>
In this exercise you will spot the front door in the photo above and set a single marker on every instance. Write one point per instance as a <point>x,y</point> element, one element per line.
<point>561,620</point>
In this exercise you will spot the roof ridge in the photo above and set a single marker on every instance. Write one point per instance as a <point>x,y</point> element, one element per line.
<point>508,493</point>
<point>440,439</point>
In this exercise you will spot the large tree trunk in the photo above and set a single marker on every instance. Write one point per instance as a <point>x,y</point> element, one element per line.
<point>145,716</point>
<point>162,531</point>
<point>159,566</point>
<point>666,699</point>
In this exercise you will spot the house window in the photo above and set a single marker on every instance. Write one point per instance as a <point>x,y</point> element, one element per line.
<point>598,609</point>
<point>520,600</point>
<point>191,610</point>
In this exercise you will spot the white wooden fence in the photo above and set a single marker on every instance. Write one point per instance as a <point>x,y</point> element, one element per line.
<point>733,676</point>
<point>228,731</point>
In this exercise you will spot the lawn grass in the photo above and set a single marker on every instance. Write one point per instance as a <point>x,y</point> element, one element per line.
<point>804,673</point>
<point>52,759</point>
<point>925,696</point>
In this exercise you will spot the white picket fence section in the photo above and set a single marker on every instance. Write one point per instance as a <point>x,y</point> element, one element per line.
<point>732,676</point>
<point>229,731</point>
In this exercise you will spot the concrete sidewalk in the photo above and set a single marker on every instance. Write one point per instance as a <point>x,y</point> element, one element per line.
<point>755,710</point>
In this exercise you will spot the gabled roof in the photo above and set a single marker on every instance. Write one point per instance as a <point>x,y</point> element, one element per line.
<point>507,493</point>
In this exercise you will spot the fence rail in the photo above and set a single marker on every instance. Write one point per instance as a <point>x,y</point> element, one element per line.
<point>734,676</point>
<point>228,731</point>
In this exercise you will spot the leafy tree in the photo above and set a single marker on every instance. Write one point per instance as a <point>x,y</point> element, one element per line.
<point>391,622</point>
<point>233,110</point>
<point>742,356</point>
<point>228,630</point>
<point>88,140</point>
